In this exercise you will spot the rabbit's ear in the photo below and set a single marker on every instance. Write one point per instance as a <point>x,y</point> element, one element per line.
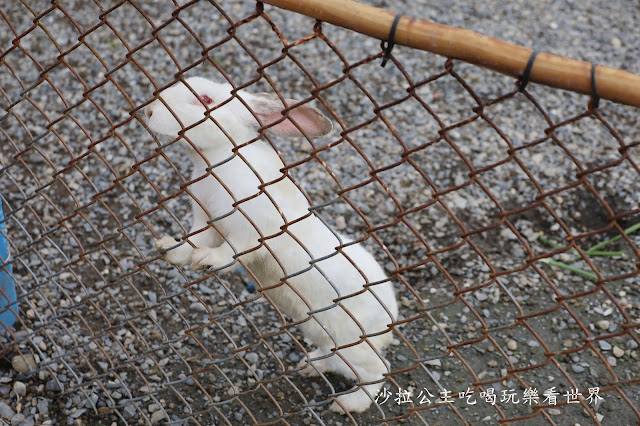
<point>268,108</point>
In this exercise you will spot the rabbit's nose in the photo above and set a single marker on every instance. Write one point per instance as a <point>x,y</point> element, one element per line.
<point>148,112</point>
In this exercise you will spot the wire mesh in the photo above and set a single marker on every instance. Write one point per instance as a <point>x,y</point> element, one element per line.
<point>491,210</point>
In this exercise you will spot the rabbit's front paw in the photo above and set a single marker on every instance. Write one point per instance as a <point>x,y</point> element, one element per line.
<point>176,256</point>
<point>165,243</point>
<point>204,258</point>
<point>218,258</point>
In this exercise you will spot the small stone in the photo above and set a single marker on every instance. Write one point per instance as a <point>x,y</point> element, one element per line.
<point>43,406</point>
<point>577,368</point>
<point>341,223</point>
<point>554,411</point>
<point>6,412</point>
<point>612,361</point>
<point>481,296</point>
<point>618,352</point>
<point>294,356</point>
<point>157,416</point>
<point>18,419</point>
<point>603,324</point>
<point>198,307</point>
<point>252,357</point>
<point>130,410</point>
<point>512,345</point>
<point>53,386</point>
<point>20,388</point>
<point>78,413</point>
<point>604,345</point>
<point>153,408</point>
<point>24,363</point>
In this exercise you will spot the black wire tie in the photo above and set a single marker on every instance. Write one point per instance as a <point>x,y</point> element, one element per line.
<point>524,80</point>
<point>390,41</point>
<point>595,99</point>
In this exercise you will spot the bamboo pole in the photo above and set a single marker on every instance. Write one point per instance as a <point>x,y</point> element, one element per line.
<point>497,55</point>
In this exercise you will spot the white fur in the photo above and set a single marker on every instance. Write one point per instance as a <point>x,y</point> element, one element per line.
<point>207,145</point>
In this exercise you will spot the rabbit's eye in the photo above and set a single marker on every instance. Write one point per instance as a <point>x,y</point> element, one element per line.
<point>206,99</point>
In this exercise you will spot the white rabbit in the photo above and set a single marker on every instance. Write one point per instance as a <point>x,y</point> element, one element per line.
<point>252,204</point>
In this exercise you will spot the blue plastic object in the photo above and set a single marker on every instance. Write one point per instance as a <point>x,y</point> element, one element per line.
<point>251,288</point>
<point>8,299</point>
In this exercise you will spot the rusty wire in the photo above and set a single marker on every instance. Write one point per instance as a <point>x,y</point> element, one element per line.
<point>110,321</point>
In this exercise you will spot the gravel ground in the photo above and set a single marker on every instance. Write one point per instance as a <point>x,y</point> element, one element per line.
<point>108,335</point>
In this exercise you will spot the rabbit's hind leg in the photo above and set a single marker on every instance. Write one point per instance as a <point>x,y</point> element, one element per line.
<point>315,368</point>
<point>370,367</point>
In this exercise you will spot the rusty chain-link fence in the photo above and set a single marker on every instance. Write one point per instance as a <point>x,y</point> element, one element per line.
<point>506,221</point>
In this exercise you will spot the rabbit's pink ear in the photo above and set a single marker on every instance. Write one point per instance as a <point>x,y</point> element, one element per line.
<point>310,121</point>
